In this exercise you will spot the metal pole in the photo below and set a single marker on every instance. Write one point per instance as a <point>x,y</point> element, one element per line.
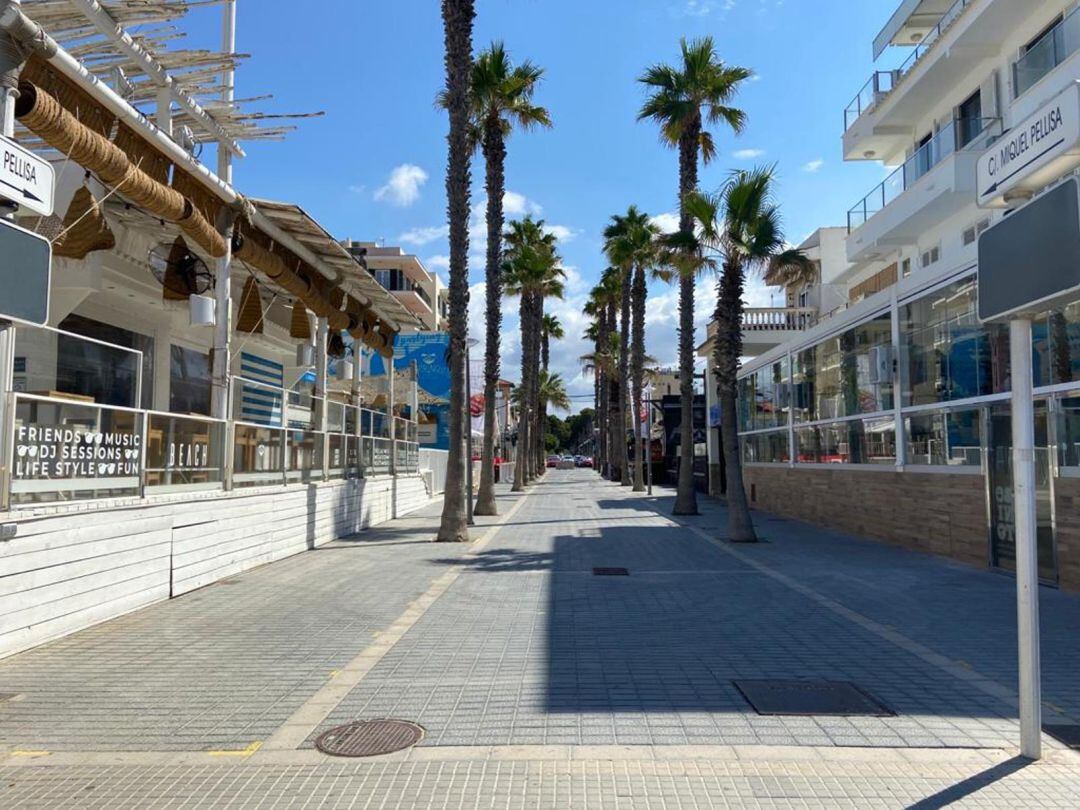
<point>228,82</point>
<point>468,437</point>
<point>1027,555</point>
<point>648,447</point>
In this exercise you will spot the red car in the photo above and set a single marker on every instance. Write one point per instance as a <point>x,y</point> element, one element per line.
<point>586,462</point>
<point>553,461</point>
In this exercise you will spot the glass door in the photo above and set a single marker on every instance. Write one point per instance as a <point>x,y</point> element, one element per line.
<point>1000,482</point>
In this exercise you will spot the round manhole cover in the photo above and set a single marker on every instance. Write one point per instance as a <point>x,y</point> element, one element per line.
<point>369,738</point>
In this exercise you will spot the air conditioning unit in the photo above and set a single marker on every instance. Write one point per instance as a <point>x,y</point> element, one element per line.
<point>881,365</point>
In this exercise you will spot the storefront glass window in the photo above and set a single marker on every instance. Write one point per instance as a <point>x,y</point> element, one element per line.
<point>946,353</point>
<point>1069,432</point>
<point>106,375</point>
<point>189,381</point>
<point>766,448</point>
<point>858,441</point>
<point>764,397</point>
<point>846,375</point>
<point>1057,346</point>
<point>943,438</point>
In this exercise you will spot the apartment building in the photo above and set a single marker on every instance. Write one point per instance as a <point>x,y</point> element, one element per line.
<point>420,290</point>
<point>888,416</point>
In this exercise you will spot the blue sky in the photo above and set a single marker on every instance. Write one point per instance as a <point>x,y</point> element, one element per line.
<point>373,168</point>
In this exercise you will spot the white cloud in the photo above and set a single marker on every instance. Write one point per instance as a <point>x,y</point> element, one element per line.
<point>562,233</point>
<point>748,154</point>
<point>437,262</point>
<point>423,236</point>
<point>514,205</point>
<point>702,8</point>
<point>667,222</point>
<point>814,166</point>
<point>403,187</point>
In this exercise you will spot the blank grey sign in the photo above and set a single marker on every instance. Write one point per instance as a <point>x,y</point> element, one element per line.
<point>1031,256</point>
<point>25,260</point>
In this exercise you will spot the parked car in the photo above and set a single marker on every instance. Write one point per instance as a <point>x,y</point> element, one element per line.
<point>553,461</point>
<point>586,462</point>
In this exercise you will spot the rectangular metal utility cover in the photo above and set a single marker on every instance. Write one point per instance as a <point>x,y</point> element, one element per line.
<point>25,270</point>
<point>806,698</point>
<point>1029,262</point>
<point>26,179</point>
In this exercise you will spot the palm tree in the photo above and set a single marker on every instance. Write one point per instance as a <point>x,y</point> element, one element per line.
<point>550,328</point>
<point>741,225</point>
<point>552,391</point>
<point>631,243</point>
<point>530,271</point>
<point>501,99</point>
<point>457,28</point>
<point>682,100</point>
<point>602,302</point>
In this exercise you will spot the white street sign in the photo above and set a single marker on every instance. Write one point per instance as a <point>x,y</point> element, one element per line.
<point>1034,152</point>
<point>26,179</point>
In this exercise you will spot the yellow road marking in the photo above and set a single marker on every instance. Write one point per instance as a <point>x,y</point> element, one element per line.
<point>246,752</point>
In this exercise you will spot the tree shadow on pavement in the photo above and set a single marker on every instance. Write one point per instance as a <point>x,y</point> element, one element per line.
<point>503,560</point>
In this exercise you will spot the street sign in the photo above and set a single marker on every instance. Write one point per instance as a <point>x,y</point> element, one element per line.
<point>1033,153</point>
<point>25,268</point>
<point>26,179</point>
<point>1029,262</point>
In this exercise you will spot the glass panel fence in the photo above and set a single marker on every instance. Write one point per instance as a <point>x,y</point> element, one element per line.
<point>381,450</point>
<point>184,453</point>
<point>766,448</point>
<point>858,441</point>
<point>337,455</point>
<point>1068,432</point>
<point>68,451</point>
<point>944,438</point>
<point>257,403</point>
<point>258,455</point>
<point>305,451</point>
<point>1053,49</point>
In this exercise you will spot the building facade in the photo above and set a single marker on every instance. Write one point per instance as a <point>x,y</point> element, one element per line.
<point>419,290</point>
<point>888,416</point>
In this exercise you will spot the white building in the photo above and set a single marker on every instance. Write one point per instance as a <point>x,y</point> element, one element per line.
<point>888,415</point>
<point>419,290</point>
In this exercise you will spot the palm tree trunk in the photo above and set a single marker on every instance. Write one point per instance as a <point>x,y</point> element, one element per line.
<point>495,160</point>
<point>523,448</point>
<point>603,425</point>
<point>539,468</point>
<point>624,378</point>
<point>615,416</point>
<point>685,495</point>
<point>457,24</point>
<point>728,350</point>
<point>638,292</point>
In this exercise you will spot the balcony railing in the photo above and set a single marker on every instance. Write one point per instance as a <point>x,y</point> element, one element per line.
<point>878,87</point>
<point>778,319</point>
<point>961,134</point>
<point>1058,45</point>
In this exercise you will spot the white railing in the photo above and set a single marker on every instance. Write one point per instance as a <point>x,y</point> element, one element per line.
<point>62,444</point>
<point>778,319</point>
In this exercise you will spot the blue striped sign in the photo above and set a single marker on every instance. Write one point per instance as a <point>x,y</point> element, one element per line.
<point>258,404</point>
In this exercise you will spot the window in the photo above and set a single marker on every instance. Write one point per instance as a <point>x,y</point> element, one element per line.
<point>1069,432</point>
<point>764,397</point>
<point>856,441</point>
<point>931,256</point>
<point>972,233</point>
<point>905,268</point>
<point>766,448</point>
<point>1056,339</point>
<point>945,353</point>
<point>969,119</point>
<point>945,438</point>
<point>842,376</point>
<point>107,375</point>
<point>189,381</point>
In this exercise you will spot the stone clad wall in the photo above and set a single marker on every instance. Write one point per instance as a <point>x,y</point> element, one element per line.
<point>937,513</point>
<point>67,569</point>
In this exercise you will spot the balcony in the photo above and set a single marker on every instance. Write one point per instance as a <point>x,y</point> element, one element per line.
<point>1049,53</point>
<point>413,300</point>
<point>893,106</point>
<point>932,184</point>
<point>766,327</point>
<point>882,82</point>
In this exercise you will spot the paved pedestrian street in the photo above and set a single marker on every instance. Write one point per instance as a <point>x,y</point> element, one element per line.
<point>542,684</point>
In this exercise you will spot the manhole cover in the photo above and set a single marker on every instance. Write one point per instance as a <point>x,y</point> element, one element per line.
<point>369,738</point>
<point>1067,735</point>
<point>610,572</point>
<point>809,698</point>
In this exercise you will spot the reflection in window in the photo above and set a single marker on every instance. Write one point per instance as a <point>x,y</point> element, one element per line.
<point>763,397</point>
<point>858,441</point>
<point>766,448</point>
<point>1069,432</point>
<point>947,354</point>
<point>846,375</point>
<point>1057,346</point>
<point>109,376</point>
<point>189,381</point>
<point>945,438</point>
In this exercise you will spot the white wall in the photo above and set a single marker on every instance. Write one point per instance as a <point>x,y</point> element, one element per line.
<point>76,567</point>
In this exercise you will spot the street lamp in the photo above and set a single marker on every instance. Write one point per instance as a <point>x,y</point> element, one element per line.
<point>469,343</point>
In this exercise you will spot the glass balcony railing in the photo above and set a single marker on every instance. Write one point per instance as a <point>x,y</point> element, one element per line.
<point>1053,49</point>
<point>961,134</point>
<point>882,82</point>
